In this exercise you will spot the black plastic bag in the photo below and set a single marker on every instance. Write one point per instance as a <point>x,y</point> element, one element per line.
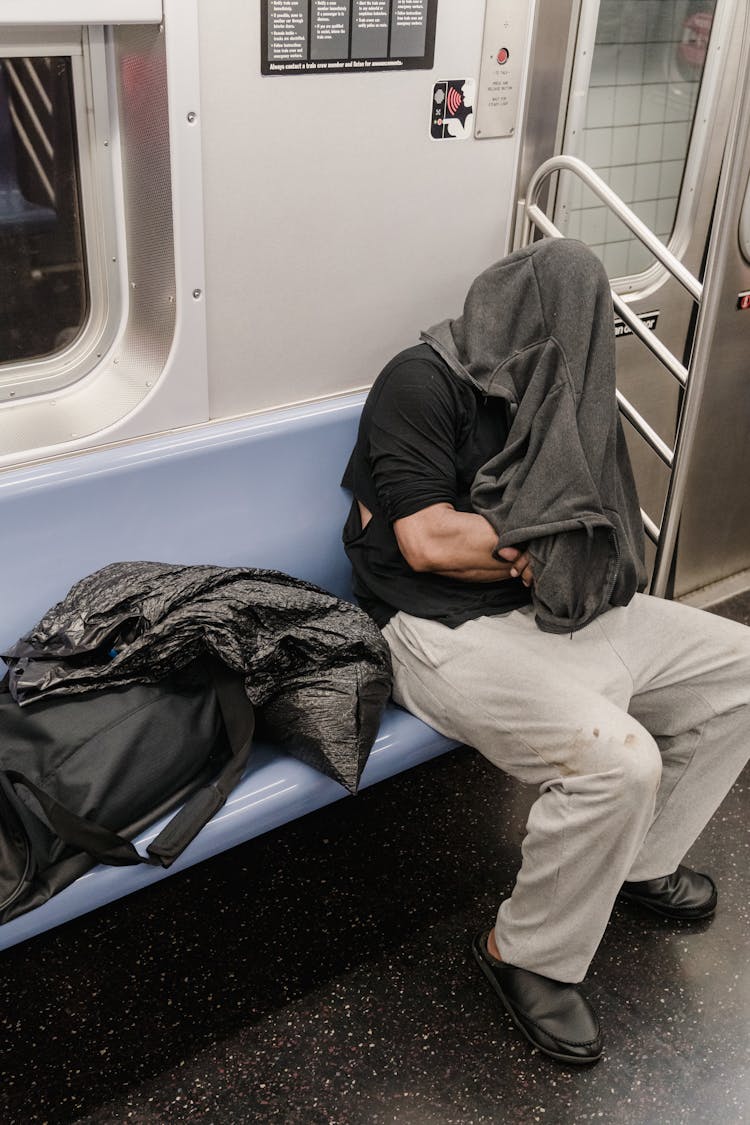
<point>320,664</point>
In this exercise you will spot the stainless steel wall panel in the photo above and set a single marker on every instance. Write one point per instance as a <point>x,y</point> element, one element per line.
<point>714,539</point>
<point>336,227</point>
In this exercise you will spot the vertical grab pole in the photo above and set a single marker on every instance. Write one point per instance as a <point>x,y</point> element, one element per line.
<point>731,187</point>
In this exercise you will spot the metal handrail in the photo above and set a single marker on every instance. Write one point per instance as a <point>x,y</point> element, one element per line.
<point>536,217</point>
<point>610,198</point>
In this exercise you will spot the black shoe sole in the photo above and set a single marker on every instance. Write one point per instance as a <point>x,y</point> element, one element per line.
<point>576,1060</point>
<point>697,914</point>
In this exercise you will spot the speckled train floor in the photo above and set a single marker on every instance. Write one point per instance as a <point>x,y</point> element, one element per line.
<point>321,975</point>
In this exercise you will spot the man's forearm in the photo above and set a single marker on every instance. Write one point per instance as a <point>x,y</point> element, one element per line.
<point>455,544</point>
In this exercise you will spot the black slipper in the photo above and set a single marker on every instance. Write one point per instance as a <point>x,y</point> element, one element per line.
<point>554,1016</point>
<point>686,895</point>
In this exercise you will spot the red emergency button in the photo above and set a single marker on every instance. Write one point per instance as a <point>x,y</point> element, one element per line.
<point>503,55</point>
<point>743,300</point>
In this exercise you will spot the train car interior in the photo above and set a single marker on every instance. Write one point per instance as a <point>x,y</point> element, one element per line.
<point>218,222</point>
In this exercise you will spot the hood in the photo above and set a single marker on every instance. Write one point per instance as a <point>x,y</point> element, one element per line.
<point>478,342</point>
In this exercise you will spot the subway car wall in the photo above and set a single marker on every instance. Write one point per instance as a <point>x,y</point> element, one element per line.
<point>252,240</point>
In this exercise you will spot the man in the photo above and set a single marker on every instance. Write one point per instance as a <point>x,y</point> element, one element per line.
<point>492,538</point>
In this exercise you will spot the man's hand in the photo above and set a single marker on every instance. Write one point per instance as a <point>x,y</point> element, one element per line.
<point>520,564</point>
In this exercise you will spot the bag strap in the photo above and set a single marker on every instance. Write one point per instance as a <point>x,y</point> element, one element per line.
<point>109,847</point>
<point>239,721</point>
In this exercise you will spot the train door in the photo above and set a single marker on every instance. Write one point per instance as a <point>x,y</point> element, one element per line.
<point>646,90</point>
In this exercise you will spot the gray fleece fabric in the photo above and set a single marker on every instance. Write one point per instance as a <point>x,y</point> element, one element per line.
<point>537,330</point>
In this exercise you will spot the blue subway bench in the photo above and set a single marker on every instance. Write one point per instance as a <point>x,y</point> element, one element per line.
<point>260,491</point>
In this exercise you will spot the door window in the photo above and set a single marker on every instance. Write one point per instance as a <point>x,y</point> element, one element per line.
<point>643,84</point>
<point>43,289</point>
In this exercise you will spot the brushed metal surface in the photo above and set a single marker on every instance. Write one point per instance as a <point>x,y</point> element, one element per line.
<point>714,540</point>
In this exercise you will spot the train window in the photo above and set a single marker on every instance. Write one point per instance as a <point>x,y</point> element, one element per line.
<point>60,290</point>
<point>640,105</point>
<point>90,288</point>
<point>43,289</point>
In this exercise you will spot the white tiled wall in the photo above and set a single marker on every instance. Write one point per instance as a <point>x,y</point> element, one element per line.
<point>641,102</point>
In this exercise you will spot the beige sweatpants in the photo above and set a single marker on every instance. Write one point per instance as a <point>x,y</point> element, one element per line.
<point>633,728</point>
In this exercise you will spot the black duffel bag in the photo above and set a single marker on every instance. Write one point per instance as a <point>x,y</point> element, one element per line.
<point>80,775</point>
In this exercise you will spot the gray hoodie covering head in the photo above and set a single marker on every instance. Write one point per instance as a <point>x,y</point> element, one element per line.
<point>537,330</point>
